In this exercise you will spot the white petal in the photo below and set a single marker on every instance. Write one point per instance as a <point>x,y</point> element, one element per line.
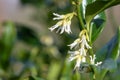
<point>58,29</point>
<point>72,58</point>
<point>53,27</point>
<point>92,59</point>
<point>72,45</point>
<point>62,29</point>
<point>57,18</point>
<point>83,59</point>
<point>74,52</point>
<point>68,29</point>
<point>98,63</point>
<point>82,52</point>
<point>55,14</point>
<point>84,42</point>
<point>78,62</point>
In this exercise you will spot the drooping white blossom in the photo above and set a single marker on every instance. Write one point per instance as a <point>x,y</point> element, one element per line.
<point>80,42</point>
<point>75,44</point>
<point>84,42</point>
<point>78,56</point>
<point>63,25</point>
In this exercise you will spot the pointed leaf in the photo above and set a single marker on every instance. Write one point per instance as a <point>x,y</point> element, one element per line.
<point>6,43</point>
<point>97,25</point>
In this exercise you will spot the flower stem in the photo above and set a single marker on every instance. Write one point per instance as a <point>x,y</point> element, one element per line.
<point>78,6</point>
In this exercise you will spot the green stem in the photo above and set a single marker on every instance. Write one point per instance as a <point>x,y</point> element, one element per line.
<point>79,14</point>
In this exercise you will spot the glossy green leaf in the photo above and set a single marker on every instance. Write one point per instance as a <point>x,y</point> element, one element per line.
<point>108,55</point>
<point>97,25</point>
<point>98,6</point>
<point>84,4</point>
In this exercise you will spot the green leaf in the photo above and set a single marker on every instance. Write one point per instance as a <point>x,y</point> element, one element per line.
<point>98,6</point>
<point>108,55</point>
<point>9,34</point>
<point>97,25</point>
<point>111,49</point>
<point>54,70</point>
<point>84,4</point>
<point>6,43</point>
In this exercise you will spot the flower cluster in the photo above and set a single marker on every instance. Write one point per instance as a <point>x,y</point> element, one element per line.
<point>63,24</point>
<point>81,45</point>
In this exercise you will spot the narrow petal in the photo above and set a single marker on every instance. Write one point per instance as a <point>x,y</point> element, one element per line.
<point>62,29</point>
<point>78,62</point>
<point>55,14</point>
<point>58,29</point>
<point>72,58</point>
<point>82,52</point>
<point>98,63</point>
<point>58,18</point>
<point>72,45</point>
<point>68,29</point>
<point>53,27</point>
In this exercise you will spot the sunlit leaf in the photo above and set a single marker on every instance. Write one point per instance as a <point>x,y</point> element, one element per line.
<point>84,4</point>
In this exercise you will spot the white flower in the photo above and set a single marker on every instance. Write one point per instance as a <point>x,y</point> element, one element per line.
<point>78,56</point>
<point>64,24</point>
<point>80,42</point>
<point>92,60</point>
<point>75,44</point>
<point>84,42</point>
<point>74,55</point>
<point>79,60</point>
<point>83,51</point>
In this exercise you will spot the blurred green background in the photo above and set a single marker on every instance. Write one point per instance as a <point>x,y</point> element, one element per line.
<point>29,51</point>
